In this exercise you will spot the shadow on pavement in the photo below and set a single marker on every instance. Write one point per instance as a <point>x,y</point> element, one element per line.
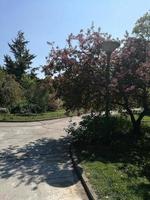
<point>44,160</point>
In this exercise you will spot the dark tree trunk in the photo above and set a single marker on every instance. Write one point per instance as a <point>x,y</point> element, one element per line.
<point>136,124</point>
<point>136,128</point>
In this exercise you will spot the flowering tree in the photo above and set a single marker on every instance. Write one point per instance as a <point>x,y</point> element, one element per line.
<point>80,74</point>
<point>80,69</point>
<point>132,74</point>
<point>130,83</point>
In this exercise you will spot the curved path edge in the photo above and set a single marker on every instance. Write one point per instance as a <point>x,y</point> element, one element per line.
<point>82,176</point>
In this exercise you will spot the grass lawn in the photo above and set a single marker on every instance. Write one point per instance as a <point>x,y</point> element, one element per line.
<point>113,183</point>
<point>33,117</point>
<point>118,173</point>
<point>118,169</point>
<point>146,118</point>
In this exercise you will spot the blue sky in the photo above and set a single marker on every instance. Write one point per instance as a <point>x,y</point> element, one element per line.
<point>53,20</point>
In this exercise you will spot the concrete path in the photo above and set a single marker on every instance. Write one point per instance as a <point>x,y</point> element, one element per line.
<point>35,164</point>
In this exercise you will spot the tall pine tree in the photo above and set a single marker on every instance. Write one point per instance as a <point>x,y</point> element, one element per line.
<point>22,59</point>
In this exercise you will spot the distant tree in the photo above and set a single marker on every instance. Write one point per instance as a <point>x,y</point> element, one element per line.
<point>142,30</point>
<point>1,68</point>
<point>29,85</point>
<point>41,96</point>
<point>39,93</point>
<point>142,26</point>
<point>33,72</point>
<point>22,58</point>
<point>10,91</point>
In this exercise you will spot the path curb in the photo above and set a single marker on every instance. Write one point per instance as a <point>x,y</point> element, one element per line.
<point>82,177</point>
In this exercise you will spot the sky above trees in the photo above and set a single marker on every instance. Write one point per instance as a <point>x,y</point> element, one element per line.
<point>50,20</point>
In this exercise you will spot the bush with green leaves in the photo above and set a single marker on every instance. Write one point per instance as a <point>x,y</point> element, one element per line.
<point>25,108</point>
<point>99,129</point>
<point>10,91</point>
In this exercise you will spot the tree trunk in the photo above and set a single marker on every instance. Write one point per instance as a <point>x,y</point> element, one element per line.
<point>107,105</point>
<point>136,128</point>
<point>136,125</point>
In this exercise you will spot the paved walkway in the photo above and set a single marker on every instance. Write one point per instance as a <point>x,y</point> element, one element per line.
<point>34,162</point>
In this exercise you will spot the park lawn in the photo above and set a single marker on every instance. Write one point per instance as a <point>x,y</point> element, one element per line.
<point>33,117</point>
<point>111,182</point>
<point>119,172</point>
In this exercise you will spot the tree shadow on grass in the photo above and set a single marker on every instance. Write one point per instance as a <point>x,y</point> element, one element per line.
<point>44,160</point>
<point>142,190</point>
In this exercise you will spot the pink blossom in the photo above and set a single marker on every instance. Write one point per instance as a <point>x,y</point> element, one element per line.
<point>130,88</point>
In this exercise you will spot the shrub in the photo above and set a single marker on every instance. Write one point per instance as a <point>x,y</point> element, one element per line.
<point>10,91</point>
<point>26,108</point>
<point>20,108</point>
<point>99,129</point>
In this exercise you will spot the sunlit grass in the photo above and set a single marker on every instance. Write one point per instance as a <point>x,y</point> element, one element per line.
<point>112,182</point>
<point>33,117</point>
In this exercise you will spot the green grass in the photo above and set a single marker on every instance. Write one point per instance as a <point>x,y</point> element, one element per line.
<point>120,172</point>
<point>110,182</point>
<point>118,166</point>
<point>33,117</point>
<point>146,118</point>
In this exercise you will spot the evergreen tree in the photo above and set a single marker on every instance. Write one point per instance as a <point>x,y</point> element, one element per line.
<point>22,57</point>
